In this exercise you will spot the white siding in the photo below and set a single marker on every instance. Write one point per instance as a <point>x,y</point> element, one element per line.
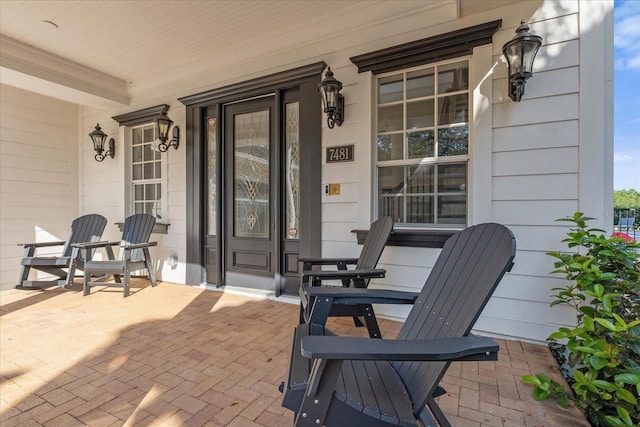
<point>38,174</point>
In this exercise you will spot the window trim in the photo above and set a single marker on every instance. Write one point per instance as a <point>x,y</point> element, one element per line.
<point>431,49</point>
<point>128,121</point>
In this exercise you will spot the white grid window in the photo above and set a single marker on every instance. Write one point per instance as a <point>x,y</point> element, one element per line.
<point>146,171</point>
<point>422,140</point>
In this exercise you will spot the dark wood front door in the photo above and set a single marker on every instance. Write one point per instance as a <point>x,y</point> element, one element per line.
<point>253,174</point>
<point>250,258</point>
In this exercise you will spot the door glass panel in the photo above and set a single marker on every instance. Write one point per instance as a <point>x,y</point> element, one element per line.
<point>211,176</point>
<point>292,171</point>
<point>251,175</point>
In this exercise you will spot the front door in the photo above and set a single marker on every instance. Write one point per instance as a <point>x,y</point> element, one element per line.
<point>251,220</point>
<point>253,174</point>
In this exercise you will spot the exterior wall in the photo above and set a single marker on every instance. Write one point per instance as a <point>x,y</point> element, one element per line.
<point>38,174</point>
<point>531,162</point>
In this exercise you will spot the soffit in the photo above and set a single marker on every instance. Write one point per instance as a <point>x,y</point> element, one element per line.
<point>145,43</point>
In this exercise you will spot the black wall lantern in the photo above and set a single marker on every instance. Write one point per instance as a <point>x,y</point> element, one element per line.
<point>98,138</point>
<point>332,101</point>
<point>520,52</point>
<point>163,123</point>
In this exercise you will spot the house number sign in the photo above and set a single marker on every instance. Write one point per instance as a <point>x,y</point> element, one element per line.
<point>343,153</point>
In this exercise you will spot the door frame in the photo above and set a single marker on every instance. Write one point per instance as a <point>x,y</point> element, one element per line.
<point>306,79</point>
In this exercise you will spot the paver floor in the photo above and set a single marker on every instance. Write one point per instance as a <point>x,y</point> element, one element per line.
<point>175,355</point>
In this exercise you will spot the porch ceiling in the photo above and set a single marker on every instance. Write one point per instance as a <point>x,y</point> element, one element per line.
<point>108,51</point>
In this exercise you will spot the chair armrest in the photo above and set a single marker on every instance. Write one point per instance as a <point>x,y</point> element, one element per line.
<point>353,296</point>
<point>440,349</point>
<point>328,261</point>
<point>42,244</point>
<point>91,245</point>
<point>346,274</point>
<point>139,245</point>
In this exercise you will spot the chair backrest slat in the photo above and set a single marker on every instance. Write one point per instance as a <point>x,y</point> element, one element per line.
<point>375,242</point>
<point>466,273</point>
<point>87,228</point>
<point>137,229</point>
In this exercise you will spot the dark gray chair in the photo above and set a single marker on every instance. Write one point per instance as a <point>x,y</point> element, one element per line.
<point>133,255</point>
<point>87,228</point>
<point>358,277</point>
<point>348,381</point>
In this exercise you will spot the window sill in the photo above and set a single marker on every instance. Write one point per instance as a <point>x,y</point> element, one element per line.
<point>412,238</point>
<point>158,228</point>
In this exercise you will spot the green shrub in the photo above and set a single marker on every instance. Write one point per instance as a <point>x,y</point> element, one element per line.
<point>604,347</point>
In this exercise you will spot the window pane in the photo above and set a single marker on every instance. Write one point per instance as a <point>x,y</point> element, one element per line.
<point>452,178</point>
<point>150,192</point>
<point>390,118</point>
<point>453,77</point>
<point>392,206</point>
<point>138,208</point>
<point>453,109</point>
<point>420,83</point>
<point>420,210</point>
<point>149,133</point>
<point>390,147</point>
<point>148,170</point>
<point>251,175</point>
<point>421,179</point>
<point>420,114</point>
<point>452,209</point>
<point>158,170</point>
<point>137,172</point>
<point>390,89</point>
<point>420,144</point>
<point>148,153</point>
<point>391,180</point>
<point>212,153</point>
<point>136,136</point>
<point>453,141</point>
<point>136,154</point>
<point>138,192</point>
<point>292,171</point>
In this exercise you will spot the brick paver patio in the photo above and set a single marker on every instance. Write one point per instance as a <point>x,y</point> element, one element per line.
<point>180,356</point>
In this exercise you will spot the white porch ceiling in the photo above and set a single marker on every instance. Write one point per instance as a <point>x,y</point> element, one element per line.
<point>102,52</point>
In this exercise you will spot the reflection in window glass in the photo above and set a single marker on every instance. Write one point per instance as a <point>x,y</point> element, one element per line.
<point>212,154</point>
<point>292,171</point>
<point>422,122</point>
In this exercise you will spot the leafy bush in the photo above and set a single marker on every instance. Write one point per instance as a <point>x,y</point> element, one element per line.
<point>604,347</point>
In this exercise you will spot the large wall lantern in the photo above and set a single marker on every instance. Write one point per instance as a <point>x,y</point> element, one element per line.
<point>332,101</point>
<point>163,123</point>
<point>520,52</point>
<point>98,138</point>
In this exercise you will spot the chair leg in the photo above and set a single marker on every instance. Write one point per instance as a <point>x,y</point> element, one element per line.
<point>371,321</point>
<point>150,269</point>
<point>85,283</point>
<point>127,281</point>
<point>24,271</point>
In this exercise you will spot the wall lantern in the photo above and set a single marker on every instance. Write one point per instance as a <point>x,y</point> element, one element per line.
<point>332,101</point>
<point>520,52</point>
<point>163,123</point>
<point>98,138</point>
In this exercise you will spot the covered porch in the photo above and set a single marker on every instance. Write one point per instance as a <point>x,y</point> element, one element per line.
<point>175,355</point>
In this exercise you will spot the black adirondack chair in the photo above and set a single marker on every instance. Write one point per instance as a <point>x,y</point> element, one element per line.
<point>87,228</point>
<point>357,277</point>
<point>133,255</point>
<point>348,381</point>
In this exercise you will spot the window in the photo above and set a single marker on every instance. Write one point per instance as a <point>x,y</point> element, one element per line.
<point>146,172</point>
<point>422,136</point>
